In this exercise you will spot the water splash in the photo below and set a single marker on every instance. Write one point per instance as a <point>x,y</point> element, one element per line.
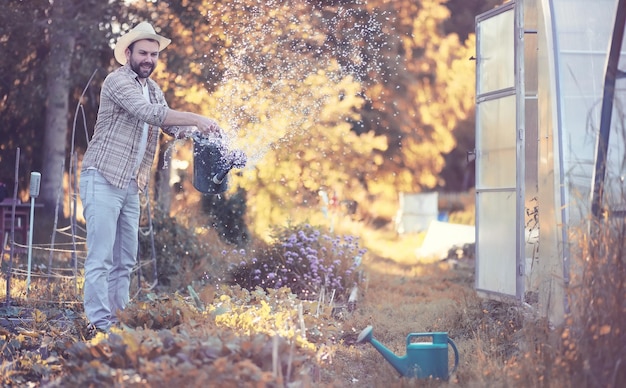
<point>282,73</point>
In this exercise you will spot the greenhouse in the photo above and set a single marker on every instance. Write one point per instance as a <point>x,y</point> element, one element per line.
<point>549,107</point>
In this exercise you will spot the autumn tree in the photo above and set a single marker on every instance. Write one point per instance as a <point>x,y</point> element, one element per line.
<point>50,49</point>
<point>414,85</point>
<point>362,96</point>
<point>22,84</point>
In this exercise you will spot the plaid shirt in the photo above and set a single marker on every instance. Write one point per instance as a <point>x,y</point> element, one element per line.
<point>123,111</point>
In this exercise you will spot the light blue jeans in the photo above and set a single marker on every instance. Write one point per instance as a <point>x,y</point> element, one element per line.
<point>112,217</point>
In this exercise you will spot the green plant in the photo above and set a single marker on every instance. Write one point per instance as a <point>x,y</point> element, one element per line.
<point>179,251</point>
<point>227,216</point>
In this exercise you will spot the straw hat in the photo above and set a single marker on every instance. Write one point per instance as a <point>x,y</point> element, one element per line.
<point>143,30</point>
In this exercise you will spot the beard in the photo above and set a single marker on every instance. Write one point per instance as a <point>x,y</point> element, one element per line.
<point>143,70</point>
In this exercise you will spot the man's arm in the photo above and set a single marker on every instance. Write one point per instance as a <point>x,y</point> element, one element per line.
<point>203,124</point>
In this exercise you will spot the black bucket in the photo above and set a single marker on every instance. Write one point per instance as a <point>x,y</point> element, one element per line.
<point>211,164</point>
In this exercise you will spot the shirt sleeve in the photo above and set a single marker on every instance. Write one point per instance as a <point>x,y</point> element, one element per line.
<point>176,131</point>
<point>125,92</point>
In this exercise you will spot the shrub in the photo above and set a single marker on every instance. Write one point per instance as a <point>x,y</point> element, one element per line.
<point>178,249</point>
<point>227,216</point>
<point>595,333</point>
<point>303,259</point>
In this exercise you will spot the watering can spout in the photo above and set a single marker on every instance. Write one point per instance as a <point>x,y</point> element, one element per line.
<point>399,363</point>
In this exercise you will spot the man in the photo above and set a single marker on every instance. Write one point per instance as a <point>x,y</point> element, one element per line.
<point>117,164</point>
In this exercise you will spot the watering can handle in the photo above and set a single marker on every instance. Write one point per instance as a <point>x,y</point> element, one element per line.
<point>415,335</point>
<point>456,355</point>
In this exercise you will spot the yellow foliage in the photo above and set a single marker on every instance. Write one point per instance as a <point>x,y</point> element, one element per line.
<point>39,316</point>
<point>291,102</point>
<point>280,318</point>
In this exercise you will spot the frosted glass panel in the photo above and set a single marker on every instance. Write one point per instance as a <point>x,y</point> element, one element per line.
<point>497,237</point>
<point>496,53</point>
<point>531,159</point>
<point>615,179</point>
<point>496,147</point>
<point>583,26</point>
<point>584,35</point>
<point>531,75</point>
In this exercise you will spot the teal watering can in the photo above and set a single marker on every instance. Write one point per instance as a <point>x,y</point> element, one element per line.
<point>422,359</point>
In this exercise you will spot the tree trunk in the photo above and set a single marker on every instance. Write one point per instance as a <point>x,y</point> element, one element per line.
<point>57,104</point>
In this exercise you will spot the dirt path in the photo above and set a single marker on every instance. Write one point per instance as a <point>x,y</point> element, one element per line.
<point>399,299</point>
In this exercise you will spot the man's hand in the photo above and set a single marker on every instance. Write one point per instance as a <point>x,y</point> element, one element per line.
<point>207,126</point>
